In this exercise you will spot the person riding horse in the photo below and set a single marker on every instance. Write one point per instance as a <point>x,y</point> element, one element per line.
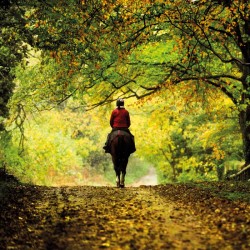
<point>119,120</point>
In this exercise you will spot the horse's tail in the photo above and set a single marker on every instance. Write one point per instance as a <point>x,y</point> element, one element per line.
<point>122,154</point>
<point>121,147</point>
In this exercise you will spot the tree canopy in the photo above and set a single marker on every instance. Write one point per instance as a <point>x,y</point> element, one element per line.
<point>95,51</point>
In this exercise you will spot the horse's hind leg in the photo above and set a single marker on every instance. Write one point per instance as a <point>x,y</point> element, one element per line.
<point>122,185</point>
<point>118,180</point>
<point>123,170</point>
<point>117,171</point>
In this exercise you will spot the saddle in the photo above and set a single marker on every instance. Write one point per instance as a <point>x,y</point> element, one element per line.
<point>120,132</point>
<point>116,133</point>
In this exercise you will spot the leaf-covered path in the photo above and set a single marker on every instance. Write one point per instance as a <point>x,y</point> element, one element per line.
<point>145,217</point>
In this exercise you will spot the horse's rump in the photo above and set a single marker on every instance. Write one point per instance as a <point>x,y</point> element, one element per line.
<point>122,141</point>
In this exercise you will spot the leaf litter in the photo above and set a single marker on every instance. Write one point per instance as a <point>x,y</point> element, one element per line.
<point>172,216</point>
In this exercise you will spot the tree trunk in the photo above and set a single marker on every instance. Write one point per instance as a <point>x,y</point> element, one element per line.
<point>174,178</point>
<point>244,116</point>
<point>244,119</point>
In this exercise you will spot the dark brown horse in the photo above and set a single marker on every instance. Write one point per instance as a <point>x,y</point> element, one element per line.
<point>120,151</point>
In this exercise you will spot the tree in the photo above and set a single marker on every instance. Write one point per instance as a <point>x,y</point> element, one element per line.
<point>187,139</point>
<point>12,51</point>
<point>100,39</point>
<point>213,38</point>
<point>213,33</point>
<point>213,41</point>
<point>217,33</point>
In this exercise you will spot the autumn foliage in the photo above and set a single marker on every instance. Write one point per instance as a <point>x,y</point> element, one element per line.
<point>193,53</point>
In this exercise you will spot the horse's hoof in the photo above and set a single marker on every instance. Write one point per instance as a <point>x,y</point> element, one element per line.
<point>118,184</point>
<point>122,186</point>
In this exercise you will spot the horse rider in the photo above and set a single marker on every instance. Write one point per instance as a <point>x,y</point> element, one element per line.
<point>119,120</point>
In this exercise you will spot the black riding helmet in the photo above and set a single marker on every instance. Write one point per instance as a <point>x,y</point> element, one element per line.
<point>119,102</point>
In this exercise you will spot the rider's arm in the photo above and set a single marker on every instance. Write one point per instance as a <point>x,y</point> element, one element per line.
<point>112,120</point>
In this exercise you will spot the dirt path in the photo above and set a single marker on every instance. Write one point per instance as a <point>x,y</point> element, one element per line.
<point>110,218</point>
<point>150,179</point>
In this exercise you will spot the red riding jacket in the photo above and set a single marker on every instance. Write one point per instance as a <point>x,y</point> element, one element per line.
<point>120,118</point>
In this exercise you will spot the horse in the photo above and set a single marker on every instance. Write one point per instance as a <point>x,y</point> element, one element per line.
<point>120,150</point>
